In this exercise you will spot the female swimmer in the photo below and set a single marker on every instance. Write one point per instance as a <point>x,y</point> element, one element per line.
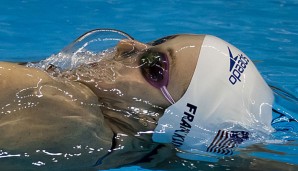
<point>86,108</point>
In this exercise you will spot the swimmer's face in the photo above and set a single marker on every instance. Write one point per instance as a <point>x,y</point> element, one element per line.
<point>131,84</point>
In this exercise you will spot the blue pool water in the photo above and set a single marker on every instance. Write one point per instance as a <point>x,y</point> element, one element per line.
<point>267,31</point>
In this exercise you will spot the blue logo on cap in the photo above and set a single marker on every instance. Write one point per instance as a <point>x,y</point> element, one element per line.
<point>237,66</point>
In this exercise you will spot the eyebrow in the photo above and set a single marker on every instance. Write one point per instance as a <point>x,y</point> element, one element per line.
<point>161,40</point>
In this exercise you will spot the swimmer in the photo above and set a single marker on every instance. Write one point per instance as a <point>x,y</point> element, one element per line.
<point>198,93</point>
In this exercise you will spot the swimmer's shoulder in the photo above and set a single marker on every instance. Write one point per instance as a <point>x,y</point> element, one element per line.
<point>37,110</point>
<point>16,79</point>
<point>11,71</point>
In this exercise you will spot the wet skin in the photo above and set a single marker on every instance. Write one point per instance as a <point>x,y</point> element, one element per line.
<point>70,115</point>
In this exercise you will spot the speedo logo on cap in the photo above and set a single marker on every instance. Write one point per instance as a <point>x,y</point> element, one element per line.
<point>237,66</point>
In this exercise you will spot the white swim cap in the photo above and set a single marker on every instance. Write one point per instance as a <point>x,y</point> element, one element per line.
<point>226,100</point>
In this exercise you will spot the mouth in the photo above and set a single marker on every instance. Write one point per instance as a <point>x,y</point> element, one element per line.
<point>115,141</point>
<point>113,146</point>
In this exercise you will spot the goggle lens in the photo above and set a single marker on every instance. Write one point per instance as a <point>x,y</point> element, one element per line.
<point>155,69</point>
<point>154,66</point>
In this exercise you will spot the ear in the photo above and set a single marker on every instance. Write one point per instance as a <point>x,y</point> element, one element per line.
<point>127,46</point>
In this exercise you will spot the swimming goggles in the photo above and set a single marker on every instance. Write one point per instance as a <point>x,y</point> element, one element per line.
<point>155,69</point>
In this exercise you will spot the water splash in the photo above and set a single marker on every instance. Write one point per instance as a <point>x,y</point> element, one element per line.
<point>89,48</point>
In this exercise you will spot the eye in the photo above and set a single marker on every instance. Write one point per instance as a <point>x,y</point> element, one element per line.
<point>154,67</point>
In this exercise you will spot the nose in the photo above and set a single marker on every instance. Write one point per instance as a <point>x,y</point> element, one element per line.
<point>127,46</point>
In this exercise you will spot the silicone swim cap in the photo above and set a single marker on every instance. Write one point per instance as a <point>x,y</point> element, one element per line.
<point>226,100</point>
